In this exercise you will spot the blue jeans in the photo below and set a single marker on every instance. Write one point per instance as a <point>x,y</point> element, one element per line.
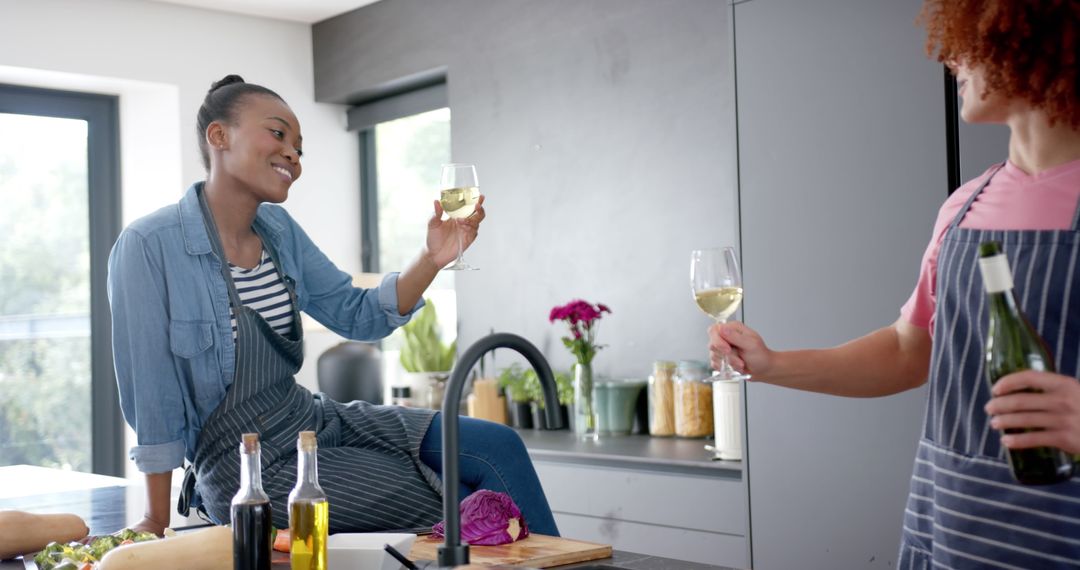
<point>493,457</point>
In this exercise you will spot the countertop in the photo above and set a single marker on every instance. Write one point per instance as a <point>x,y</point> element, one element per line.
<point>665,454</point>
<point>106,503</point>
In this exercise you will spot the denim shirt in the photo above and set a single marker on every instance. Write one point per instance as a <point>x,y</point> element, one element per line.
<point>172,339</point>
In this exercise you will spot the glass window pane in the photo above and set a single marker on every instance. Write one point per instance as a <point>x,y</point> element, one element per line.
<point>44,293</point>
<point>409,155</point>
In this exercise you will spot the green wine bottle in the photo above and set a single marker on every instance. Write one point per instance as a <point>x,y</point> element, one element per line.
<point>1013,345</point>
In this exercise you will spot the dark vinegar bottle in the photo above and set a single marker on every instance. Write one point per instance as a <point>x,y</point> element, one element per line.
<point>1013,345</point>
<point>251,521</point>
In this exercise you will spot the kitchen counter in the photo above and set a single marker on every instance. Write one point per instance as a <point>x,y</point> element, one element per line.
<point>107,504</point>
<point>641,452</point>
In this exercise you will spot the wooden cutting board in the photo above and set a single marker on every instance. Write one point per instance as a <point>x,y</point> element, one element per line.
<point>537,551</point>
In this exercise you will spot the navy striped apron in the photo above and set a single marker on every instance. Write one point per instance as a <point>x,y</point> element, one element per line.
<point>965,510</point>
<point>369,462</point>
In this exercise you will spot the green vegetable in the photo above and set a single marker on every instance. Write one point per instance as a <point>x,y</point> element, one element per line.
<point>56,556</point>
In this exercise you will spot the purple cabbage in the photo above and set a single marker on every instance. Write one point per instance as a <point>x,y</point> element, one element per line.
<point>487,519</point>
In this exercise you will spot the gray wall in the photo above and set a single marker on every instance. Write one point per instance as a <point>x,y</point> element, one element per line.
<point>843,166</point>
<point>602,133</point>
<point>981,146</point>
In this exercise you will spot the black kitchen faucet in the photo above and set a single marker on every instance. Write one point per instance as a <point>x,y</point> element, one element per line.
<point>452,552</point>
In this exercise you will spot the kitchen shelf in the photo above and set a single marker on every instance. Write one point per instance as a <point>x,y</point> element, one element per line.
<point>638,452</point>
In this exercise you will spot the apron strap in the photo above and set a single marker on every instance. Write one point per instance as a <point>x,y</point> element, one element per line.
<point>971,199</point>
<point>1076,218</point>
<point>219,250</point>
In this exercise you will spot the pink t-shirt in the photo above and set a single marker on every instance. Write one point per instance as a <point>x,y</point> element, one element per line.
<point>1014,200</point>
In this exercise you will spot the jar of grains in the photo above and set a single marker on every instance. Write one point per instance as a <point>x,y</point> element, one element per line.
<point>661,399</point>
<point>693,400</point>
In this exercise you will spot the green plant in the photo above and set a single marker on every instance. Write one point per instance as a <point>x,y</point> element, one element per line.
<point>513,380</point>
<point>423,349</point>
<point>564,387</point>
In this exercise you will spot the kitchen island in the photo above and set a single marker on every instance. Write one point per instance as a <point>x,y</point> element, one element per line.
<point>107,504</point>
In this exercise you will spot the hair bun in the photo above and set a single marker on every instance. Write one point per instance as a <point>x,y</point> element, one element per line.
<point>227,80</point>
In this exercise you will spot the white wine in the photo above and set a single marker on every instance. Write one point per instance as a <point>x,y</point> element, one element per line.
<point>460,202</point>
<point>1012,345</point>
<point>719,303</point>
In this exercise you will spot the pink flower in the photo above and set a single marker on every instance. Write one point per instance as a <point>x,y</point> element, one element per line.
<point>557,313</point>
<point>580,317</point>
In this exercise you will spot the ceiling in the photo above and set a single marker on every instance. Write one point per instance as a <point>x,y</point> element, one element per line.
<point>306,11</point>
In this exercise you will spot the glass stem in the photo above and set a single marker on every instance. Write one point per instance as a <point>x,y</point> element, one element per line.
<point>458,262</point>
<point>725,367</point>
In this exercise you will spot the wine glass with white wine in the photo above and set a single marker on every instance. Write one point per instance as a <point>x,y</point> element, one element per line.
<point>458,193</point>
<point>716,283</point>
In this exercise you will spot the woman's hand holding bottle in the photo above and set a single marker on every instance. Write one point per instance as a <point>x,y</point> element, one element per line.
<point>1054,408</point>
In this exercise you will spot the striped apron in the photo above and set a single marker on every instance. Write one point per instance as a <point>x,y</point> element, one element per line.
<point>368,456</point>
<point>965,510</point>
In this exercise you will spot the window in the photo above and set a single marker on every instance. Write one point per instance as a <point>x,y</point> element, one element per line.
<point>404,140</point>
<point>59,171</point>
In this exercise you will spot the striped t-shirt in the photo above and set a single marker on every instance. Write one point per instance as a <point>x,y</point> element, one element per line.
<point>263,290</point>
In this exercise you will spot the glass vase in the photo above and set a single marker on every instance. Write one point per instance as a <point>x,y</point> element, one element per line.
<point>584,410</point>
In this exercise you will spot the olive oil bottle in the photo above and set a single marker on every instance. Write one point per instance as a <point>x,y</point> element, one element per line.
<point>309,511</point>
<point>250,511</point>
<point>1013,345</point>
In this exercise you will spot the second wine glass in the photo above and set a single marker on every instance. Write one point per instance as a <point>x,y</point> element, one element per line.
<point>716,283</point>
<point>459,192</point>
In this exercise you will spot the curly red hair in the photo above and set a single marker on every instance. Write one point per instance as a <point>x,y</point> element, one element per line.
<point>1026,48</point>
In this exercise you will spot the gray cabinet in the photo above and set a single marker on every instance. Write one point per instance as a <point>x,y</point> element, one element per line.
<point>656,496</point>
<point>684,516</point>
<point>842,168</point>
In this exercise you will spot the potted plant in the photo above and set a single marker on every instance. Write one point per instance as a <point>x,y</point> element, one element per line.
<point>513,381</point>
<point>564,387</point>
<point>425,358</point>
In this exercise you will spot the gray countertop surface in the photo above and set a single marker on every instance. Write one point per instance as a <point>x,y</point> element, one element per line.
<point>665,454</point>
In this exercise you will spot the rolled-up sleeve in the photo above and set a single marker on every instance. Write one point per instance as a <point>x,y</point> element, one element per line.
<point>150,394</point>
<point>352,312</point>
<point>388,301</point>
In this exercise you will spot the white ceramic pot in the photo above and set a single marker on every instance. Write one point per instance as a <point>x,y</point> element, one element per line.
<point>427,388</point>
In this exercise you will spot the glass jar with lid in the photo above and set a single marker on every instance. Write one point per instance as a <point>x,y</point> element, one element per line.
<point>693,403</point>
<point>662,399</point>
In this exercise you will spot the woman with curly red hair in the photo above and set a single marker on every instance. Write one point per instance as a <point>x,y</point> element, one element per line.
<point>1016,64</point>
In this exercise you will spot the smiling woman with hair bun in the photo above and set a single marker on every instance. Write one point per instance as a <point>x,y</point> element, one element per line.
<point>206,297</point>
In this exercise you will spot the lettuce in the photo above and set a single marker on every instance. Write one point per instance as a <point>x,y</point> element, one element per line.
<point>488,518</point>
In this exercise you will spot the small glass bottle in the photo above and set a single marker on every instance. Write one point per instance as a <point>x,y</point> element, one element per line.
<point>661,399</point>
<point>250,512</point>
<point>309,511</point>
<point>401,396</point>
<point>693,400</point>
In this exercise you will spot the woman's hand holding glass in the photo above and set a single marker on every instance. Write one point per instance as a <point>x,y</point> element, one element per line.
<point>446,236</point>
<point>459,197</point>
<point>742,347</point>
<point>716,283</point>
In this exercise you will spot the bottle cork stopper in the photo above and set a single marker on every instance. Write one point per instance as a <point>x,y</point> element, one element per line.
<point>250,442</point>
<point>307,441</point>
